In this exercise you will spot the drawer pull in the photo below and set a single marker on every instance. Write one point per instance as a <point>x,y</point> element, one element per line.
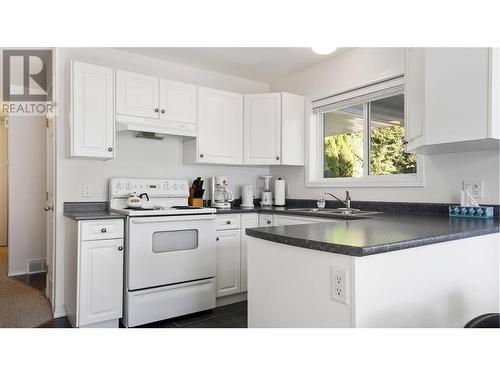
<point>217,238</point>
<point>120,248</point>
<point>104,230</point>
<point>228,222</point>
<point>269,221</point>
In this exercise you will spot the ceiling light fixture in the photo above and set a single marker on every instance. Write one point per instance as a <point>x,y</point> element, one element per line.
<point>323,50</point>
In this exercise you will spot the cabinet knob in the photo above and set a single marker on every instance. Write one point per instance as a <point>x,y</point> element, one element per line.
<point>104,230</point>
<point>156,109</point>
<point>201,155</point>
<point>217,238</point>
<point>269,221</point>
<point>110,149</point>
<point>120,248</point>
<point>228,222</point>
<point>277,158</point>
<point>162,111</point>
<point>405,142</point>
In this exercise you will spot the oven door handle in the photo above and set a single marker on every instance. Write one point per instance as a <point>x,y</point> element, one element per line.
<point>166,219</point>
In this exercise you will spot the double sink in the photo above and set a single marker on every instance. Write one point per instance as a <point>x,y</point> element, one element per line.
<point>334,211</point>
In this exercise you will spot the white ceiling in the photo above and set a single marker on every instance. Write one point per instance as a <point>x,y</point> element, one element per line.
<point>255,63</point>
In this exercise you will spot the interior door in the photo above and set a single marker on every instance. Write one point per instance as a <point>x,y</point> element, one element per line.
<point>137,95</point>
<point>49,208</point>
<point>4,202</point>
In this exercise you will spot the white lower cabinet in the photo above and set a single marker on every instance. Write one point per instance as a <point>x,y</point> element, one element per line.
<point>228,262</point>
<point>94,274</point>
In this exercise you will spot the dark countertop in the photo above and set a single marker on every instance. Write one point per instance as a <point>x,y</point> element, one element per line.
<point>381,233</point>
<point>93,215</point>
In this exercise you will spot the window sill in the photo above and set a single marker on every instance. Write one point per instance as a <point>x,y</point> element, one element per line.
<point>414,180</point>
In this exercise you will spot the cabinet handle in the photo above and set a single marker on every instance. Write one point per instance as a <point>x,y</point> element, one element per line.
<point>405,142</point>
<point>162,111</point>
<point>228,222</point>
<point>110,149</point>
<point>120,248</point>
<point>269,221</point>
<point>156,109</point>
<point>201,155</point>
<point>104,230</point>
<point>217,238</point>
<point>277,158</point>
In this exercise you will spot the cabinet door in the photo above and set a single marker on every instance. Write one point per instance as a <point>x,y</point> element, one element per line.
<point>228,262</point>
<point>247,221</point>
<point>262,129</point>
<point>93,118</point>
<point>137,95</point>
<point>177,101</point>
<point>415,98</point>
<point>220,127</point>
<point>101,281</point>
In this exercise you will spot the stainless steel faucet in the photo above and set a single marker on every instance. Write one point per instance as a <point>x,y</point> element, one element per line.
<point>347,201</point>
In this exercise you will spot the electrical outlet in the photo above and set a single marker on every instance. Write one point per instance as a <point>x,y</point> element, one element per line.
<point>86,190</point>
<point>475,188</point>
<point>339,285</point>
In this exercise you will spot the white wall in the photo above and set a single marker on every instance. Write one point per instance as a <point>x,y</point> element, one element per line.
<point>27,186</point>
<point>135,157</point>
<point>443,173</point>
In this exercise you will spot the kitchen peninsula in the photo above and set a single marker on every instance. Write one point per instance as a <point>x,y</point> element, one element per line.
<point>383,271</point>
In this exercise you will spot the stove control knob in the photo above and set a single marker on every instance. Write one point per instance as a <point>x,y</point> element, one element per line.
<point>165,187</point>
<point>128,186</point>
<point>175,186</point>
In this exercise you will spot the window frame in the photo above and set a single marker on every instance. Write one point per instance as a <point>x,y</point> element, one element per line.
<point>315,138</point>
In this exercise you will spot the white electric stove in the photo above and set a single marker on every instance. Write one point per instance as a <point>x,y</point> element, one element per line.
<point>169,251</point>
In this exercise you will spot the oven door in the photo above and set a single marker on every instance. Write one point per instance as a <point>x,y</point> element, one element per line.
<point>164,250</point>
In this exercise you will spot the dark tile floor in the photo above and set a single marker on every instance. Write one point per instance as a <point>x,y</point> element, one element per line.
<point>35,280</point>
<point>228,316</point>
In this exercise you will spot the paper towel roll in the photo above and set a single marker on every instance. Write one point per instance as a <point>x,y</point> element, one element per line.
<point>279,192</point>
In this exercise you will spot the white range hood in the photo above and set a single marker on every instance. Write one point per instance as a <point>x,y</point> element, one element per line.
<point>158,127</point>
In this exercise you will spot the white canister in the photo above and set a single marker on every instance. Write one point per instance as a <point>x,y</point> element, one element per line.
<point>247,196</point>
<point>279,192</point>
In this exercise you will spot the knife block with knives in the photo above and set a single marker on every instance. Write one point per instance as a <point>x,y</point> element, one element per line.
<point>196,193</point>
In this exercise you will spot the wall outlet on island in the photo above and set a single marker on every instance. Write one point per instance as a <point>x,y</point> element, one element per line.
<point>339,285</point>
<point>475,188</point>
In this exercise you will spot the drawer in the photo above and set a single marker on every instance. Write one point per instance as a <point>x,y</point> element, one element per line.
<point>228,221</point>
<point>265,220</point>
<point>101,230</point>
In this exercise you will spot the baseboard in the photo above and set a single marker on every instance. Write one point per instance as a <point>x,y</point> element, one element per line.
<point>60,312</point>
<point>227,300</point>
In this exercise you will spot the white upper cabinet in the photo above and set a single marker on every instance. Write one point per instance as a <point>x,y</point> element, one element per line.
<point>450,105</point>
<point>177,101</point>
<point>92,111</point>
<point>262,128</point>
<point>220,128</point>
<point>274,129</point>
<point>137,95</point>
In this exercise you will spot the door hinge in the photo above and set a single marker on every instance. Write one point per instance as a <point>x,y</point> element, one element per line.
<point>46,195</point>
<point>47,123</point>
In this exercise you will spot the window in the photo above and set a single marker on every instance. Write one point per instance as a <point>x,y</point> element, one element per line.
<point>359,139</point>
